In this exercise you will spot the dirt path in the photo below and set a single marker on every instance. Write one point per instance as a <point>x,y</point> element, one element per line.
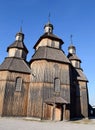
<point>23,124</point>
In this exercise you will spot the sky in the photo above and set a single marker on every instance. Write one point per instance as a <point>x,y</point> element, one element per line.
<point>69,17</point>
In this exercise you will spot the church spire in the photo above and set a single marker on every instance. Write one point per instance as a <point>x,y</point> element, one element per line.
<point>20,35</point>
<point>48,28</point>
<point>71,48</point>
<point>49,17</point>
<point>72,55</point>
<point>71,36</point>
<point>21,29</point>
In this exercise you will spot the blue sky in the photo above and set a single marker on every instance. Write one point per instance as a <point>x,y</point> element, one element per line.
<point>76,17</point>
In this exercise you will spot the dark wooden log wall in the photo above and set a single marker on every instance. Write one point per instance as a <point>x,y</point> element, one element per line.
<point>84,98</point>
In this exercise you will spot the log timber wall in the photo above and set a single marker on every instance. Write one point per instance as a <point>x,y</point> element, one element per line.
<point>42,85</point>
<point>15,103</point>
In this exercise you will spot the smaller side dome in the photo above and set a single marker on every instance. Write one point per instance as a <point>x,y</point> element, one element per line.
<point>75,61</point>
<point>72,49</point>
<point>19,36</point>
<point>48,28</point>
<point>18,48</point>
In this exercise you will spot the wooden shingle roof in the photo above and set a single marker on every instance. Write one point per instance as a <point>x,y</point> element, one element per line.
<point>49,53</point>
<point>56,99</point>
<point>19,45</point>
<point>50,36</point>
<point>15,64</point>
<point>81,76</point>
<point>78,74</point>
<point>73,57</point>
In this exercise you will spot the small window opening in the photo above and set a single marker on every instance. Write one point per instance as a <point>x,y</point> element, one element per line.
<point>18,84</point>
<point>57,85</point>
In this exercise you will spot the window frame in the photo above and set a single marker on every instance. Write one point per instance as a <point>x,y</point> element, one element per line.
<point>18,84</point>
<point>57,85</point>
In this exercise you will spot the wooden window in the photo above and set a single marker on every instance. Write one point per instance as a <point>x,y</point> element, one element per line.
<point>57,84</point>
<point>18,84</point>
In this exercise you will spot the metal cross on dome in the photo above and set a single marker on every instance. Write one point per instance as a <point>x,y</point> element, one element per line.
<point>49,17</point>
<point>71,38</point>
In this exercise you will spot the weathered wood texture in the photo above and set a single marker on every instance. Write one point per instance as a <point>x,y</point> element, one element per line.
<point>3,76</point>
<point>38,87</point>
<point>79,96</point>
<point>42,85</point>
<point>45,72</point>
<point>84,98</point>
<point>15,103</point>
<point>81,100</point>
<point>35,100</point>
<point>48,42</point>
<point>48,112</point>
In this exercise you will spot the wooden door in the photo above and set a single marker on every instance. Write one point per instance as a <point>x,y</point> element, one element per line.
<point>58,113</point>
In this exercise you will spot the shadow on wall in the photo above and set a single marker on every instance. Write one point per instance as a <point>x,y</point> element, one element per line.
<point>91,111</point>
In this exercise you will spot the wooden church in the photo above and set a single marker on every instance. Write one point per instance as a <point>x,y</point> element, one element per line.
<point>51,86</point>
